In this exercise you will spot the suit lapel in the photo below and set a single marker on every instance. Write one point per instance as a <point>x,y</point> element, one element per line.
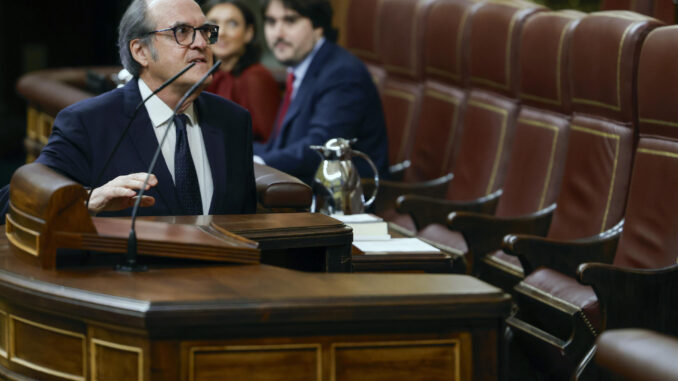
<point>145,142</point>
<point>213,136</point>
<point>305,89</point>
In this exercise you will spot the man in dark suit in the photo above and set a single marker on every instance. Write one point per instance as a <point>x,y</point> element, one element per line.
<point>329,92</point>
<point>205,165</point>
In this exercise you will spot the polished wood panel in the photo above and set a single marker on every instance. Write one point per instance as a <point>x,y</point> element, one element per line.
<point>255,362</point>
<point>47,349</point>
<point>266,319</point>
<point>391,360</point>
<point>113,361</point>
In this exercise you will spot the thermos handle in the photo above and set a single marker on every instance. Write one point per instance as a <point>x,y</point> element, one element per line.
<point>376,176</point>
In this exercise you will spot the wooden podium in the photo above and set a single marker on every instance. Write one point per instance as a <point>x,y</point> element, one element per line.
<point>47,212</point>
<point>212,321</point>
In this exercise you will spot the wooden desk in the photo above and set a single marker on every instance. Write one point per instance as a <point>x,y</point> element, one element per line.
<point>217,322</point>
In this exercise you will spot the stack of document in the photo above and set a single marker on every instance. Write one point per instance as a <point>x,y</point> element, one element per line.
<point>366,227</point>
<point>370,235</point>
<point>395,246</point>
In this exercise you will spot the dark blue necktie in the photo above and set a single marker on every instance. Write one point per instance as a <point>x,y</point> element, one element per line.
<point>185,177</point>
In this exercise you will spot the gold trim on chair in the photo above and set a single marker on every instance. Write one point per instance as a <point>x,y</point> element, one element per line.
<point>500,149</point>
<point>414,42</point>
<point>558,101</point>
<point>616,107</point>
<point>507,55</point>
<point>460,36</point>
<point>552,156</point>
<point>659,122</point>
<point>614,167</point>
<point>410,114</point>
<point>655,152</point>
<point>453,128</point>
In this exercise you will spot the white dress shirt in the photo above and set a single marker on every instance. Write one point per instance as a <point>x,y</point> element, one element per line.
<point>161,116</point>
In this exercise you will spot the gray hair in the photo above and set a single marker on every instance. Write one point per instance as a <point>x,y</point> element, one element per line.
<point>134,25</point>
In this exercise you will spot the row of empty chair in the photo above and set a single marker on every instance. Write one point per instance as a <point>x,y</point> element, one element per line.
<point>559,132</point>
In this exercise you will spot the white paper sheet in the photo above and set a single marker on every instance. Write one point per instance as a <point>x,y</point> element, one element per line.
<point>395,245</point>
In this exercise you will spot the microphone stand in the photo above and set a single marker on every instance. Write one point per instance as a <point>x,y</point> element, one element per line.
<point>130,260</point>
<point>129,124</point>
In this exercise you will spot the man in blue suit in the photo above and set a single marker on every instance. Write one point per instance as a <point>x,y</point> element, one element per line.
<point>205,165</point>
<point>329,92</point>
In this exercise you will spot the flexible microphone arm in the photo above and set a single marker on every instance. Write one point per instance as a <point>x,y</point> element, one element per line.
<point>129,124</point>
<point>130,263</point>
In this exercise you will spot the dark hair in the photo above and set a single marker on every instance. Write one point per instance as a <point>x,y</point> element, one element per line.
<point>318,11</point>
<point>134,24</point>
<point>252,49</point>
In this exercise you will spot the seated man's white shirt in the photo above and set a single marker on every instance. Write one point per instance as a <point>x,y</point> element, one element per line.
<point>161,117</point>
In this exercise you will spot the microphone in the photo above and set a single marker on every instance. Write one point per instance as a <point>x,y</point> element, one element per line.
<point>129,124</point>
<point>130,263</point>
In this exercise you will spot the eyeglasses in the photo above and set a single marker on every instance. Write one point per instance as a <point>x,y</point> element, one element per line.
<point>185,34</point>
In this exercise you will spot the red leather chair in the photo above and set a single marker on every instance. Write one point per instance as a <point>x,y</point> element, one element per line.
<point>605,51</point>
<point>488,120</point>
<point>637,355</point>
<point>443,98</point>
<point>401,30</point>
<point>537,157</point>
<point>660,9</point>
<point>630,295</point>
<point>361,35</point>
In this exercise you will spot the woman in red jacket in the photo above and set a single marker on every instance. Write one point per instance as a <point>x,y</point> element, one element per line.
<point>242,78</point>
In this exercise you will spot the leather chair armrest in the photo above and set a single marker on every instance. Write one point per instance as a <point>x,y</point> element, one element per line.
<point>278,190</point>
<point>428,210</point>
<point>484,233</point>
<point>55,89</point>
<point>562,256</point>
<point>396,172</point>
<point>389,191</point>
<point>638,354</point>
<point>644,298</point>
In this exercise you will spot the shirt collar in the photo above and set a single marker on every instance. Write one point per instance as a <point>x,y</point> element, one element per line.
<point>300,69</point>
<point>159,112</point>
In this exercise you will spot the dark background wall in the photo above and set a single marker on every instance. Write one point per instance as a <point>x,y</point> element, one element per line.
<point>38,34</point>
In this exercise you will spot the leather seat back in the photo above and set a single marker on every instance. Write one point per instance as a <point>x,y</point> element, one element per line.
<point>537,158</point>
<point>649,238</point>
<point>445,53</point>
<point>361,35</point>
<point>491,109</point>
<point>604,56</point>
<point>401,29</point>
<point>660,9</point>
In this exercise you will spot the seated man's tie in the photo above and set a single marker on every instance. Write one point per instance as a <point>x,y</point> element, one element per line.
<point>287,99</point>
<point>185,177</point>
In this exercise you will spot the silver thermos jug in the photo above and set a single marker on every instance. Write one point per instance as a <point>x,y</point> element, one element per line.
<point>336,186</point>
